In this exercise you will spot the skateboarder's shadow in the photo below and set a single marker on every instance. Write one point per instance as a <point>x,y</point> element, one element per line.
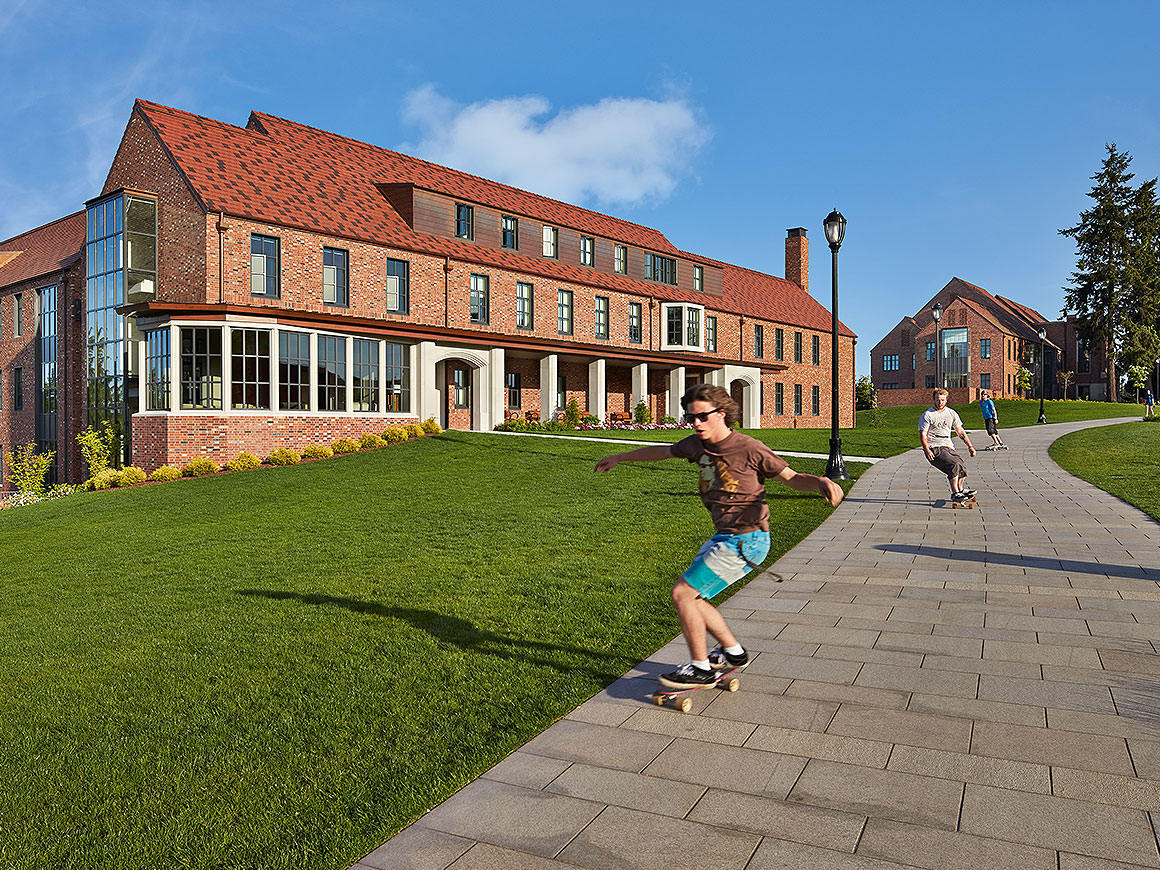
<point>457,632</point>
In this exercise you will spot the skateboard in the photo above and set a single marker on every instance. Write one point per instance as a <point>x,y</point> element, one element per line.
<point>997,447</point>
<point>969,502</point>
<point>679,697</point>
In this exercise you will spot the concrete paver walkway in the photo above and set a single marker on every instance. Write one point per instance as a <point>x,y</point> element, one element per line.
<point>932,688</point>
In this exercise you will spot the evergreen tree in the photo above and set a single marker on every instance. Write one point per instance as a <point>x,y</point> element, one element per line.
<point>1141,343</point>
<point>1099,284</point>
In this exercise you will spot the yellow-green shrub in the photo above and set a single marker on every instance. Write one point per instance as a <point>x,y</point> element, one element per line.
<point>414,430</point>
<point>246,461</point>
<point>106,479</point>
<point>370,441</point>
<point>343,445</point>
<point>284,456</point>
<point>166,472</point>
<point>431,427</point>
<point>394,434</point>
<point>316,451</point>
<point>199,467</point>
<point>131,474</point>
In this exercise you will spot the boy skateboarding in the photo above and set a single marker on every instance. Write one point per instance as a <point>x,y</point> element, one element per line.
<point>934,430</point>
<point>991,419</point>
<point>734,468</point>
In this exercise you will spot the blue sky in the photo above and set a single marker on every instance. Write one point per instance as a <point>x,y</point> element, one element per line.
<point>956,141</point>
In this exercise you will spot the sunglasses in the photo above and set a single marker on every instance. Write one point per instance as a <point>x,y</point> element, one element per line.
<point>703,417</point>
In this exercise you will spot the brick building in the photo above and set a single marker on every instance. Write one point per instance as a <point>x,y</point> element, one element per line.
<point>242,288</point>
<point>984,339</point>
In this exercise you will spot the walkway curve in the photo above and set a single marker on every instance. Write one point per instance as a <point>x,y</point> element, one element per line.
<point>931,688</point>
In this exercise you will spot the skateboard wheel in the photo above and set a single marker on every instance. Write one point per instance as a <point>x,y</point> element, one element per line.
<point>659,700</point>
<point>684,704</point>
<point>733,685</point>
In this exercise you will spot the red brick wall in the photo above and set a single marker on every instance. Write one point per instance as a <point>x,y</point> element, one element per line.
<point>160,439</point>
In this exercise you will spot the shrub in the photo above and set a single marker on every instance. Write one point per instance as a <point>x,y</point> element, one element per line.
<point>572,414</point>
<point>370,441</point>
<point>106,479</point>
<point>590,420</point>
<point>553,426</point>
<point>247,461</point>
<point>284,456</point>
<point>641,414</point>
<point>166,472</point>
<point>199,466</point>
<point>316,451</point>
<point>414,430</point>
<point>669,421</point>
<point>342,446</point>
<point>27,468</point>
<point>394,434</point>
<point>431,427</point>
<point>131,474</point>
<point>97,447</point>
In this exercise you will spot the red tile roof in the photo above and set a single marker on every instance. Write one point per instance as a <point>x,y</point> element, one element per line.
<point>280,172</point>
<point>42,251</point>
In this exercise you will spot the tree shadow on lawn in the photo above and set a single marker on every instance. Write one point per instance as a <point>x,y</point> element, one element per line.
<point>1069,566</point>
<point>457,632</point>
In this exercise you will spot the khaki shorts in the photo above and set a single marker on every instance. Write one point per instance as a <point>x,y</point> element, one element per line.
<point>948,462</point>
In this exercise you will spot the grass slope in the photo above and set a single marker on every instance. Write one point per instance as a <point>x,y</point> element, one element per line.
<point>1123,460</point>
<point>899,432</point>
<point>282,668</point>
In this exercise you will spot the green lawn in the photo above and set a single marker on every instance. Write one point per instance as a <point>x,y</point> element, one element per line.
<point>899,431</point>
<point>1123,460</point>
<point>282,668</point>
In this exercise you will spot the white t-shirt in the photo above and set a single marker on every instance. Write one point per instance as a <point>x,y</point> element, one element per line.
<point>939,425</point>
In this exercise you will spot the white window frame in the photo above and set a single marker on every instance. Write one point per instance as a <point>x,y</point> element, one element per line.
<point>685,308</point>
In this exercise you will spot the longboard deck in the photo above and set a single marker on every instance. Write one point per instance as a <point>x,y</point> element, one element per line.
<point>679,697</point>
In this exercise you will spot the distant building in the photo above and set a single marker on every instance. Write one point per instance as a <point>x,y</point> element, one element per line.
<point>981,341</point>
<point>243,288</point>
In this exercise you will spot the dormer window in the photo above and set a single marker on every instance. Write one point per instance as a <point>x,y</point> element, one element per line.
<point>464,222</point>
<point>587,251</point>
<point>698,279</point>
<point>510,232</point>
<point>684,327</point>
<point>551,237</point>
<point>660,269</point>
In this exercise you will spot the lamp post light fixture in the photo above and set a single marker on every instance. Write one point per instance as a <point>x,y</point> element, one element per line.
<point>936,312</point>
<point>835,226</point>
<point>1042,369</point>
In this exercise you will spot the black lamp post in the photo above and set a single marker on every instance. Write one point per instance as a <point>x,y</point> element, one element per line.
<point>1042,368</point>
<point>835,226</point>
<point>936,312</point>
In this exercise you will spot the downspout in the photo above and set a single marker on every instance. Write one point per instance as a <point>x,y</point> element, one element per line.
<point>221,228</point>
<point>446,292</point>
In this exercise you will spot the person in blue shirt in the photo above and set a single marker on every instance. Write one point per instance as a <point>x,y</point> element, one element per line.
<point>1150,402</point>
<point>991,420</point>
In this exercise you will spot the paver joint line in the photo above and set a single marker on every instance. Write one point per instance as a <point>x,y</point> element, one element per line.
<point>878,615</point>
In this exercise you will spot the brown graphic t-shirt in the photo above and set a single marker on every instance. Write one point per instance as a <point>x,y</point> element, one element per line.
<point>733,475</point>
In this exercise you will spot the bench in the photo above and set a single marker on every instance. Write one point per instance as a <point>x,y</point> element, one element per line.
<point>619,417</point>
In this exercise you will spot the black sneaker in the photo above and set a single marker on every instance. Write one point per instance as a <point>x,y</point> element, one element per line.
<point>688,677</point>
<point>720,659</point>
<point>958,496</point>
<point>968,493</point>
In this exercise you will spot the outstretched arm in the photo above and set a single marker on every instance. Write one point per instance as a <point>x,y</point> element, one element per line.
<point>830,491</point>
<point>652,453</point>
<point>925,445</point>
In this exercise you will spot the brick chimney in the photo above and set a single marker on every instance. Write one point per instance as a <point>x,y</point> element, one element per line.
<point>797,257</point>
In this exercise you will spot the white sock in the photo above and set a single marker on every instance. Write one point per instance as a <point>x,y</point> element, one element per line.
<point>703,665</point>
<point>735,650</point>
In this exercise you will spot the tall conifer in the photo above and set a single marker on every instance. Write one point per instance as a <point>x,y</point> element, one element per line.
<point>1099,285</point>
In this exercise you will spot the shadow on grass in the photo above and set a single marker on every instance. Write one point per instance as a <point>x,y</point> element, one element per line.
<point>456,632</point>
<point>1070,566</point>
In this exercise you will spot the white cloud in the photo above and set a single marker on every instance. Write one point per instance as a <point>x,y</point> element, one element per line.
<point>618,151</point>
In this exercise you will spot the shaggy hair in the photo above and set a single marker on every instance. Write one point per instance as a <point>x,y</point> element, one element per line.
<point>719,397</point>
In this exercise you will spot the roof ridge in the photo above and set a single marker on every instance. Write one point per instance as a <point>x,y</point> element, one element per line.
<point>460,172</point>
<point>38,229</point>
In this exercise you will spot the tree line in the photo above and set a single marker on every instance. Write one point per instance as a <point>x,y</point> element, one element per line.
<point>1114,291</point>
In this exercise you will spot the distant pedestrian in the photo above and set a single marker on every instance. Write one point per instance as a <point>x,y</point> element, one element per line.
<point>1149,403</point>
<point>991,419</point>
<point>934,430</point>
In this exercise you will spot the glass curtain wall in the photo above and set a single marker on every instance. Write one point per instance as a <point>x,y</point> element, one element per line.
<point>46,392</point>
<point>956,361</point>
